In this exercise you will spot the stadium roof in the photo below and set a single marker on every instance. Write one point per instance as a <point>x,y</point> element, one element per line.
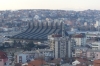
<point>40,31</point>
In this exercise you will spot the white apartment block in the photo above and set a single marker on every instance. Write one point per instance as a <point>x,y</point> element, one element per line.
<point>79,39</point>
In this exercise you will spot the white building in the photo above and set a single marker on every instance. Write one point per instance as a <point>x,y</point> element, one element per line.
<point>95,45</point>
<point>96,24</point>
<point>79,39</point>
<point>23,57</point>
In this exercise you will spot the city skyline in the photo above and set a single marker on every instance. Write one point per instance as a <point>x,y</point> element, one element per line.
<point>49,4</point>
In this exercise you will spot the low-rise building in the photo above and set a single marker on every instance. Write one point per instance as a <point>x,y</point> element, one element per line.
<point>47,53</point>
<point>79,52</point>
<point>93,54</point>
<point>23,57</point>
<point>95,45</point>
<point>26,56</point>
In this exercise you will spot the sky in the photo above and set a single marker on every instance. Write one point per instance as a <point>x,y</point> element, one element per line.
<point>50,4</point>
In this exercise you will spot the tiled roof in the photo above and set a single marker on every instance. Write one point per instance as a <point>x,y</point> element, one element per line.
<point>78,36</point>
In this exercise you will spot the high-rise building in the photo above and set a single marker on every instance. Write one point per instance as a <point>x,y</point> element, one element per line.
<point>97,25</point>
<point>61,46</point>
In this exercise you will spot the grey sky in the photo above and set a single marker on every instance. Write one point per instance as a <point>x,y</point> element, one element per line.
<point>50,4</point>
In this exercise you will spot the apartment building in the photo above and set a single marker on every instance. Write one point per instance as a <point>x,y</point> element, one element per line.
<point>80,39</point>
<point>61,46</point>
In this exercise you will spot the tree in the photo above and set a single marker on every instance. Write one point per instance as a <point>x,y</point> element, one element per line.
<point>19,44</point>
<point>2,47</point>
<point>14,43</point>
<point>29,46</point>
<point>6,44</point>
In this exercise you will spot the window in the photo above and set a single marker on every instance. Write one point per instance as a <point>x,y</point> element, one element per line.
<point>20,59</point>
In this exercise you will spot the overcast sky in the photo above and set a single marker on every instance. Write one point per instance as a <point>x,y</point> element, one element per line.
<point>50,4</point>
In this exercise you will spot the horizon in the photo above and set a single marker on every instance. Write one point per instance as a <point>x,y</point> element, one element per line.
<point>49,9</point>
<point>78,5</point>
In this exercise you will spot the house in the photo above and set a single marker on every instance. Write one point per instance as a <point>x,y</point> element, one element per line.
<point>80,62</point>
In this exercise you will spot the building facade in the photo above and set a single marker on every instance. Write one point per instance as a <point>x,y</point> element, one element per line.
<point>79,39</point>
<point>95,45</point>
<point>61,46</point>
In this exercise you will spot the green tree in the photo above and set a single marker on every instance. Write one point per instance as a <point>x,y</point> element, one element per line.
<point>29,46</point>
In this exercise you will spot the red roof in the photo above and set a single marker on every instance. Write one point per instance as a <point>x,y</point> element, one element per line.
<point>37,63</point>
<point>97,61</point>
<point>78,36</point>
